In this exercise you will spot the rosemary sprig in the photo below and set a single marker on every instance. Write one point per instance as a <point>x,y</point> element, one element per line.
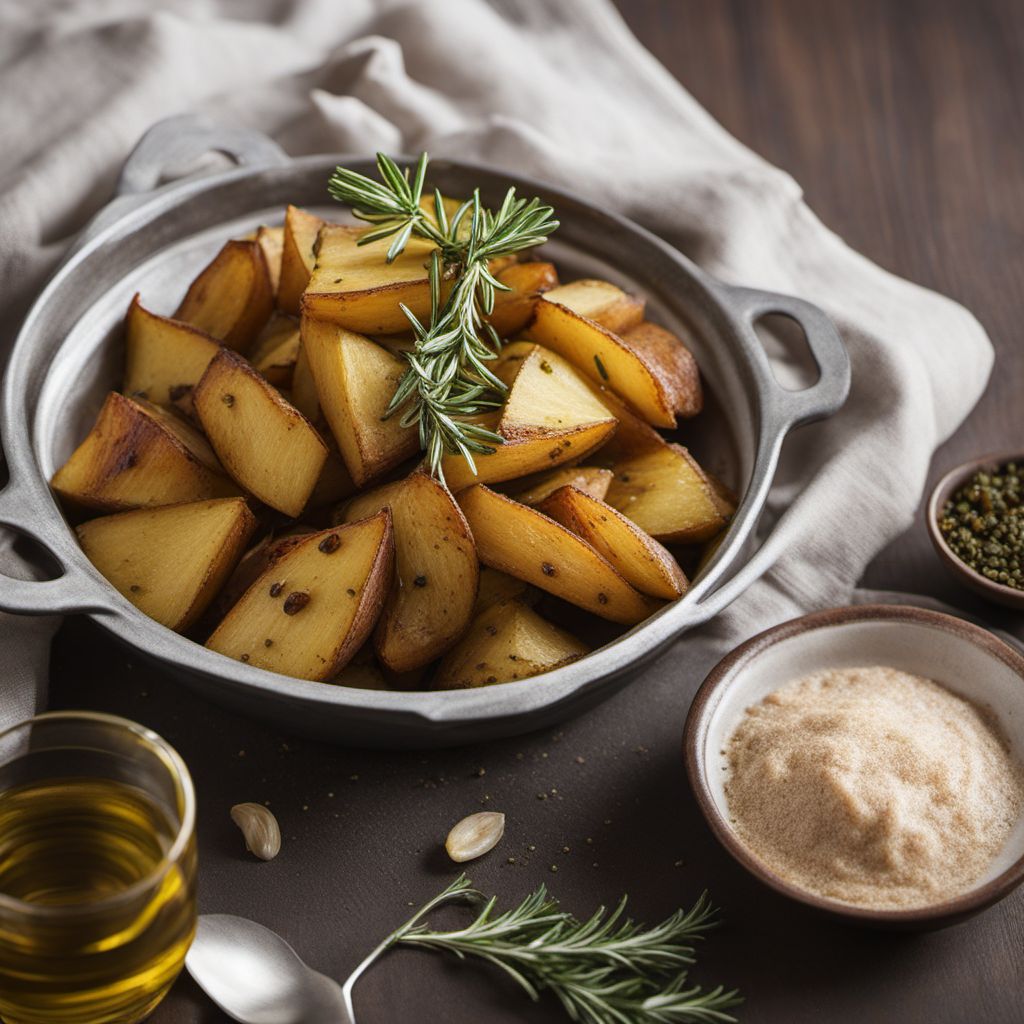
<point>605,970</point>
<point>448,382</point>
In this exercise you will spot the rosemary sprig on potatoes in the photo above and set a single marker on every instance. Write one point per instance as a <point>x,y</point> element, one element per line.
<point>447,382</point>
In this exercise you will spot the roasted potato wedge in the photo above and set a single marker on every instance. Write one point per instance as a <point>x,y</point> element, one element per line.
<point>498,586</point>
<point>551,416</point>
<point>232,298</point>
<point>355,380</point>
<point>265,443</point>
<point>506,641</point>
<point>297,258</point>
<point>315,604</point>
<point>354,286</point>
<point>362,672</point>
<point>639,558</point>
<point>673,362</point>
<point>335,482</point>
<point>436,571</point>
<point>303,391</point>
<point>513,309</point>
<point>666,494</point>
<point>591,480</point>
<point>271,241</point>
<point>164,358</point>
<point>170,561</point>
<point>527,544</point>
<point>276,350</point>
<point>605,358</point>
<point>139,455</point>
<point>601,301</point>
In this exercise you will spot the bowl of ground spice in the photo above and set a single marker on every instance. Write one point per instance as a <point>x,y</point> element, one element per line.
<point>867,762</point>
<point>976,524</point>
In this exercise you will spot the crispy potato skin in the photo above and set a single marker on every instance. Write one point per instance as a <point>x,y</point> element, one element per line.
<point>316,602</point>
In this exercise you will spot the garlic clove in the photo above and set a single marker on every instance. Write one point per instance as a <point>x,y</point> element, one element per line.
<point>260,829</point>
<point>474,836</point>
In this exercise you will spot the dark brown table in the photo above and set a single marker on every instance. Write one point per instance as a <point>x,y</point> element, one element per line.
<point>903,121</point>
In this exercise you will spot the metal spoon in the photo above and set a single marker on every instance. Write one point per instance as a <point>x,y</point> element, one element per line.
<point>255,977</point>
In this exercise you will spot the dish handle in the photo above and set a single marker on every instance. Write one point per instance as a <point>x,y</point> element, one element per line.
<point>175,142</point>
<point>70,592</point>
<point>783,410</point>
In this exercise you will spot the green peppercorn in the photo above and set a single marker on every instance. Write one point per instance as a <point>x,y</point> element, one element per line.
<point>983,523</point>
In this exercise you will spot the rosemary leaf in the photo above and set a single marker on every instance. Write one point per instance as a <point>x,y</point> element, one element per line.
<point>447,379</point>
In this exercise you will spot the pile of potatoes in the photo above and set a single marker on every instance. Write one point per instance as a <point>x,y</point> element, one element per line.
<point>244,487</point>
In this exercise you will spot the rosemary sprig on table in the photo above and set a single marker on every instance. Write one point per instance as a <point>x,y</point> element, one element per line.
<point>605,970</point>
<point>448,381</point>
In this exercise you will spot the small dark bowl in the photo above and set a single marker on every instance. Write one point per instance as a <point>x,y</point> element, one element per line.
<point>965,658</point>
<point>951,482</point>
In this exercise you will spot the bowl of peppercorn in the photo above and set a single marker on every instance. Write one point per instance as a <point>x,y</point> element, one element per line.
<point>976,523</point>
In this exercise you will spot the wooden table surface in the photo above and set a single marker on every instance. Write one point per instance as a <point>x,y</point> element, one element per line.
<point>903,121</point>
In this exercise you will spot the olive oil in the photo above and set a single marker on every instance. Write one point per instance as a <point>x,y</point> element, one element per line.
<point>94,921</point>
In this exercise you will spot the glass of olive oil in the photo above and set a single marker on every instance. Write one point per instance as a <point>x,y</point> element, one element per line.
<point>97,869</point>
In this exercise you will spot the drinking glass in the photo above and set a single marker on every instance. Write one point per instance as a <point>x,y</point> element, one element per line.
<point>97,869</point>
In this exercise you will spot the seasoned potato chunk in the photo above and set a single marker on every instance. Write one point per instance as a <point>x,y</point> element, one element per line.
<point>266,445</point>
<point>591,480</point>
<point>551,416</point>
<point>506,641</point>
<point>527,544</point>
<point>315,604</point>
<point>170,561</point>
<point>673,362</point>
<point>297,257</point>
<point>276,350</point>
<point>355,380</point>
<point>639,558</point>
<point>233,297</point>
<point>136,455</point>
<point>354,287</point>
<point>514,309</point>
<point>605,358</point>
<point>436,571</point>
<point>601,301</point>
<point>164,358</point>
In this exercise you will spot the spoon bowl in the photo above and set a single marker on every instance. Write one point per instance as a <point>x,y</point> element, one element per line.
<point>255,977</point>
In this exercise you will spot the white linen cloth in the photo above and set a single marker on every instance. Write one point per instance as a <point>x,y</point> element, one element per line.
<point>558,89</point>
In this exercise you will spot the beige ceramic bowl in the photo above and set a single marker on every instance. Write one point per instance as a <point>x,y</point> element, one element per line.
<point>965,658</point>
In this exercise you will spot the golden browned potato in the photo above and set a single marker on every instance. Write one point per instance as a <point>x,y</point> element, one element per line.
<point>498,586</point>
<point>232,298</point>
<point>362,672</point>
<point>639,558</point>
<point>303,394</point>
<point>137,455</point>
<point>164,358</point>
<point>601,301</point>
<point>276,350</point>
<point>316,602</point>
<point>666,494</point>
<point>335,481</point>
<point>673,362</point>
<point>591,480</point>
<point>529,545</point>
<point>266,445</point>
<point>506,641</point>
<point>271,241</point>
<point>551,416</point>
<point>436,571</point>
<point>605,358</point>
<point>513,309</point>
<point>355,380</point>
<point>354,286</point>
<point>170,561</point>
<point>297,258</point>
